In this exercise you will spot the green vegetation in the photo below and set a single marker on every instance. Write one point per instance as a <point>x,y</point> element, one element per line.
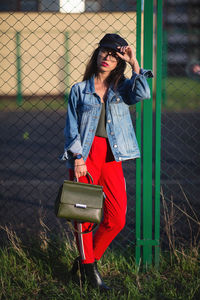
<point>182,94</point>
<point>41,271</point>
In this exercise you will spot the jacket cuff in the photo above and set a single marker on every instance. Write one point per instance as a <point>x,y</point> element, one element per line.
<point>143,74</point>
<point>74,148</point>
<point>146,73</point>
<point>64,156</point>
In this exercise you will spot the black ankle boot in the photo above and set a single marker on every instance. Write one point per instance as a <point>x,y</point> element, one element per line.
<point>93,276</point>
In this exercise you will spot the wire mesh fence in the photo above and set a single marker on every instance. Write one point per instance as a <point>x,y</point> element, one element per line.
<point>180,175</point>
<point>42,53</point>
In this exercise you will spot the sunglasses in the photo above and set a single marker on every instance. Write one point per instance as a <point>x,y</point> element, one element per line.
<point>109,52</point>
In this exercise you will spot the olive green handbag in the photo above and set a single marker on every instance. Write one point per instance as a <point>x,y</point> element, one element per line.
<point>81,202</point>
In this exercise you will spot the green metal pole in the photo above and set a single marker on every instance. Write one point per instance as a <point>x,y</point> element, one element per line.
<point>147,137</point>
<point>158,128</point>
<point>18,65</point>
<point>66,67</point>
<point>138,135</point>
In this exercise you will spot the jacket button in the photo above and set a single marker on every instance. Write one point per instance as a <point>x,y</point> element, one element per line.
<point>115,146</point>
<point>118,99</point>
<point>112,133</point>
<point>109,121</point>
<point>120,158</point>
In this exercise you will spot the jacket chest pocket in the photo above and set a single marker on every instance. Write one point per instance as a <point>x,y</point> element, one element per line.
<point>119,110</point>
<point>84,112</point>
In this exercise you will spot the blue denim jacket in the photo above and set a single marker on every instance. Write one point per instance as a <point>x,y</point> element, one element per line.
<point>84,108</point>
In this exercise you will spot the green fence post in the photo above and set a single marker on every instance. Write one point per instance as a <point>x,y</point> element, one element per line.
<point>147,227</point>
<point>138,135</point>
<point>158,129</point>
<point>66,93</point>
<point>147,137</point>
<point>18,66</point>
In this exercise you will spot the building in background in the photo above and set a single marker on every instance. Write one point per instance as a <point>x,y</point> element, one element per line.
<point>72,6</point>
<point>182,35</point>
<point>68,6</point>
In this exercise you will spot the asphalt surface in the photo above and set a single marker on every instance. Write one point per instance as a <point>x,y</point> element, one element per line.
<point>30,172</point>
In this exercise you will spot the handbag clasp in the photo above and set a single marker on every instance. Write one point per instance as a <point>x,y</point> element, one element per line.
<point>81,205</point>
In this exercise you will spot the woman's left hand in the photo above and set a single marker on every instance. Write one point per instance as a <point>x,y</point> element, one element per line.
<point>129,56</point>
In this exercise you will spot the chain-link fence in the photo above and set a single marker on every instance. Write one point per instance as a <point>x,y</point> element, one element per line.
<point>180,177</point>
<point>42,53</point>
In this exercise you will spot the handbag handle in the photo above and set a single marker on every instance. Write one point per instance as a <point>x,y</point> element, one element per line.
<point>88,174</point>
<point>81,232</point>
<point>70,224</point>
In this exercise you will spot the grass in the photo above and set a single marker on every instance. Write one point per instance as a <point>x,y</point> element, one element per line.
<point>41,270</point>
<point>44,274</point>
<point>181,94</point>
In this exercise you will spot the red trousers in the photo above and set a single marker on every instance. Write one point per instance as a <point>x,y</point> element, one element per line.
<point>109,174</point>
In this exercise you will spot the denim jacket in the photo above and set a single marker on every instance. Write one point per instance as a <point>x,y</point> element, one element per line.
<point>84,108</point>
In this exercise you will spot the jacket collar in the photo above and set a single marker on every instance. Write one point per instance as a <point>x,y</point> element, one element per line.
<point>90,88</point>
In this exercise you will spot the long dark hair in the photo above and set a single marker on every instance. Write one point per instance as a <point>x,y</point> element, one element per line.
<point>115,76</point>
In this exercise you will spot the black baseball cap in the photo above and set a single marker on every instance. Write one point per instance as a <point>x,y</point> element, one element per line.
<point>112,41</point>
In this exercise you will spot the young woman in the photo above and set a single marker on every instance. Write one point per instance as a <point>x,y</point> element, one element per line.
<point>99,135</point>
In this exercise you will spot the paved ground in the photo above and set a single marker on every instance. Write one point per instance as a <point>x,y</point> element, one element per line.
<point>30,172</point>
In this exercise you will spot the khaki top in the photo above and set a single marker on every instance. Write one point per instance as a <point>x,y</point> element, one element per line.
<point>101,128</point>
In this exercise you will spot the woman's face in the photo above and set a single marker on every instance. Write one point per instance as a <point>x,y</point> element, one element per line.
<point>107,60</point>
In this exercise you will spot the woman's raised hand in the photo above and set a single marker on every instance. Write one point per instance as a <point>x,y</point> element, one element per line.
<point>126,53</point>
